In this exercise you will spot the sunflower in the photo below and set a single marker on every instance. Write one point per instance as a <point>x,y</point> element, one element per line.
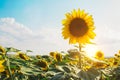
<point>99,55</point>
<point>58,57</point>
<point>78,27</point>
<point>2,68</point>
<point>110,61</point>
<point>52,54</point>
<point>38,56</point>
<point>117,55</point>
<point>2,50</point>
<point>23,56</point>
<point>115,64</point>
<point>43,64</point>
<point>99,65</point>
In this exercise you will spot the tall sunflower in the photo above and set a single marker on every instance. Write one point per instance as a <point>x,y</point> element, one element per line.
<point>78,27</point>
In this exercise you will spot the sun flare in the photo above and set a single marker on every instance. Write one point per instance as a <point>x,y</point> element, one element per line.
<point>91,50</point>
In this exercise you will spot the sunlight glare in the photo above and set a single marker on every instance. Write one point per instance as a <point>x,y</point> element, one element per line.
<point>90,50</point>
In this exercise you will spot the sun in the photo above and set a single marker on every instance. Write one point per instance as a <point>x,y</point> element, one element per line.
<point>91,49</point>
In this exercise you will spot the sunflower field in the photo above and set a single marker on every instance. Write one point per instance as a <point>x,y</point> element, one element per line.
<point>57,66</point>
<point>75,64</point>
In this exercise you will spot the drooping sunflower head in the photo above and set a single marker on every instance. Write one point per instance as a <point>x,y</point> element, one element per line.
<point>22,56</point>
<point>78,27</point>
<point>99,65</point>
<point>58,57</point>
<point>52,54</point>
<point>43,64</point>
<point>38,56</point>
<point>99,55</point>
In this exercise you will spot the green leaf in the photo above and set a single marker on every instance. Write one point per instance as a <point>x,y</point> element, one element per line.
<point>91,74</point>
<point>29,51</point>
<point>59,76</point>
<point>11,49</point>
<point>66,69</point>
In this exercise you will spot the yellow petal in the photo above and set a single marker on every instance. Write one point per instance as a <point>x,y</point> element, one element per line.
<point>88,18</point>
<point>81,13</point>
<point>91,35</point>
<point>68,16</point>
<point>78,13</point>
<point>74,13</point>
<point>64,21</point>
<point>1,61</point>
<point>90,23</point>
<point>72,41</point>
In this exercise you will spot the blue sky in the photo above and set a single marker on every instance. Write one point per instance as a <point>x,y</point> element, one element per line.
<point>39,12</point>
<point>32,23</point>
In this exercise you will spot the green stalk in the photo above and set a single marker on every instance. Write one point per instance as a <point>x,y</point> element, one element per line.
<point>80,61</point>
<point>8,65</point>
<point>9,70</point>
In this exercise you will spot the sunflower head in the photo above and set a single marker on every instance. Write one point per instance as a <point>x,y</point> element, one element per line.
<point>117,55</point>
<point>23,56</point>
<point>78,27</point>
<point>115,64</point>
<point>99,65</point>
<point>58,57</point>
<point>38,56</point>
<point>43,64</point>
<point>2,68</point>
<point>53,54</point>
<point>110,61</point>
<point>2,50</point>
<point>99,55</point>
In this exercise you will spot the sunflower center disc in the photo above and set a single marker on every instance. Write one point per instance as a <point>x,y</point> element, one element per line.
<point>78,27</point>
<point>99,54</point>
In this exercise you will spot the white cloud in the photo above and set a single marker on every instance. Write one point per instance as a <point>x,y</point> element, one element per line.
<point>15,29</point>
<point>42,41</point>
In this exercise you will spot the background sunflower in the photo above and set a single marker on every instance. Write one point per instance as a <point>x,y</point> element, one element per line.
<point>99,55</point>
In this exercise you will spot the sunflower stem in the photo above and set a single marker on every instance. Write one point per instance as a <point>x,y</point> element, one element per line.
<point>80,60</point>
<point>9,70</point>
<point>8,65</point>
